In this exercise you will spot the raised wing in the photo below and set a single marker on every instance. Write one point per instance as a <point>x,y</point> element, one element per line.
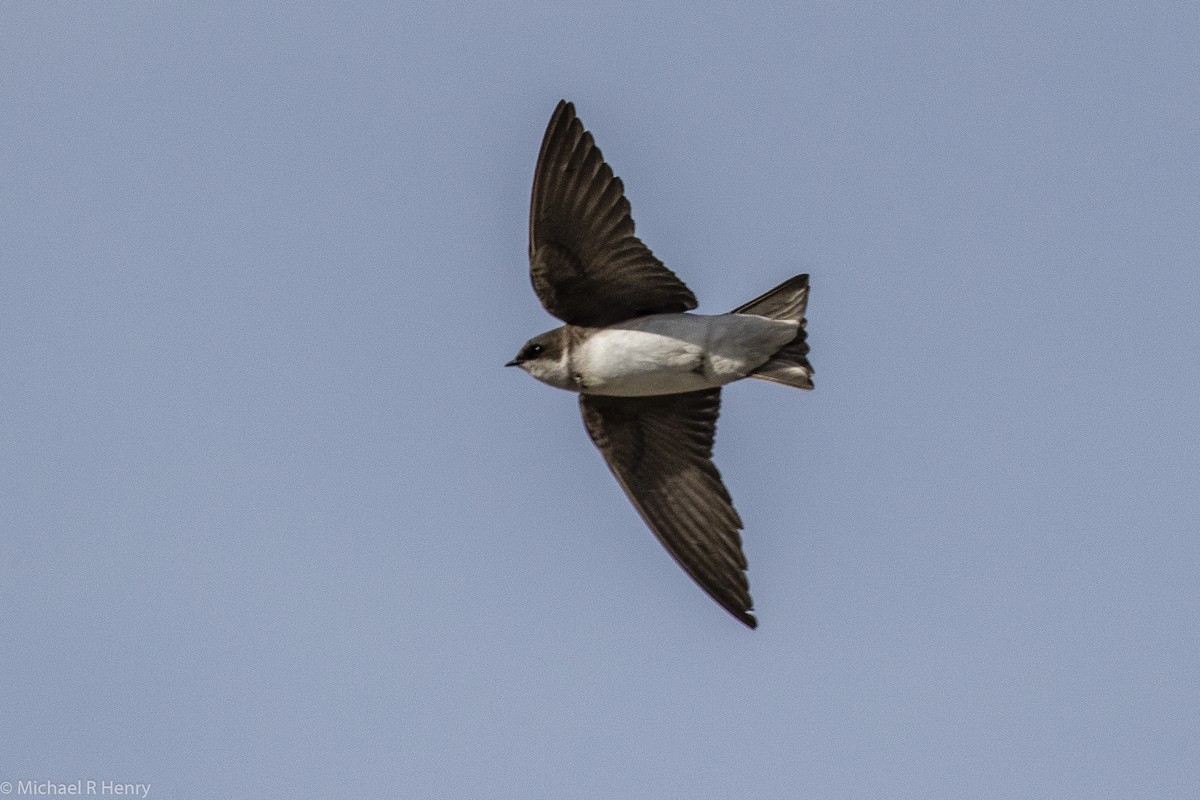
<point>660,450</point>
<point>587,266</point>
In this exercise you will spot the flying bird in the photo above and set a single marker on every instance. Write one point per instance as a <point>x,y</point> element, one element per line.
<point>647,372</point>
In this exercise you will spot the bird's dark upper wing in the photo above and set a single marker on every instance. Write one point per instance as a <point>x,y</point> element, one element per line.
<point>587,266</point>
<point>660,449</point>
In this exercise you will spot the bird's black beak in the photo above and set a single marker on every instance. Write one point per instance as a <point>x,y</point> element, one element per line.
<point>516,362</point>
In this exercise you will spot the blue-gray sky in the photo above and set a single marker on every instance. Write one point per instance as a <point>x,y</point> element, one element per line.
<point>276,522</point>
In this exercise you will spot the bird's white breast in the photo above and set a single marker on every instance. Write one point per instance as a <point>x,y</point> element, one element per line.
<point>675,353</point>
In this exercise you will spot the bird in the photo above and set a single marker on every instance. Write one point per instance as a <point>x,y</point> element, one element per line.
<point>649,372</point>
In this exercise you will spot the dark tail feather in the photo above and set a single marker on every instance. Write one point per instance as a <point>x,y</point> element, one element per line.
<point>786,301</point>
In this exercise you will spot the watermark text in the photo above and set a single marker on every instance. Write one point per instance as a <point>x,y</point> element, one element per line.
<point>76,787</point>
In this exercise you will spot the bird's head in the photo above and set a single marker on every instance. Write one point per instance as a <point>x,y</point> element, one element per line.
<point>545,358</point>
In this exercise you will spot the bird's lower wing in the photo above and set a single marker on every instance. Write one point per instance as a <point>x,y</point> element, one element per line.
<point>660,450</point>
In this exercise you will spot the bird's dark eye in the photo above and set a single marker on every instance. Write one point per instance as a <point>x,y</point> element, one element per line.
<point>533,350</point>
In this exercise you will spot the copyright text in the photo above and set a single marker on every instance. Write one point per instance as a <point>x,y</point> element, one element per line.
<point>77,787</point>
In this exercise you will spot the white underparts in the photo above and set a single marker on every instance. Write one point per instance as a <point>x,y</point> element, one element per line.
<point>675,353</point>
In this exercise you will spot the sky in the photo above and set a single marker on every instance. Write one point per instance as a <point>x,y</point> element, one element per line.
<point>276,522</point>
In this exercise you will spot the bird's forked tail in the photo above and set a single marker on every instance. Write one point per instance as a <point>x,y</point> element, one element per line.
<point>787,301</point>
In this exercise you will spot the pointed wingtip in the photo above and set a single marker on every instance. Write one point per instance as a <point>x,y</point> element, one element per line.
<point>742,615</point>
<point>747,619</point>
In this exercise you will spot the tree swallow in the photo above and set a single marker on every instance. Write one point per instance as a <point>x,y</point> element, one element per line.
<point>649,374</point>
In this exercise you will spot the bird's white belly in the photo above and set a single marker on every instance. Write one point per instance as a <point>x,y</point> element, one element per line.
<point>676,353</point>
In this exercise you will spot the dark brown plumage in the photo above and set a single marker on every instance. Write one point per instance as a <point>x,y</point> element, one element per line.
<point>660,450</point>
<point>588,267</point>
